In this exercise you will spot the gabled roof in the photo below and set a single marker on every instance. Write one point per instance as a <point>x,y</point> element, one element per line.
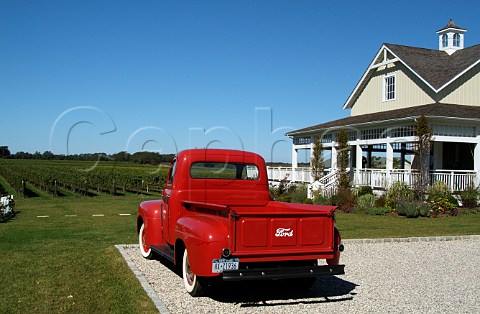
<point>435,68</point>
<point>435,110</point>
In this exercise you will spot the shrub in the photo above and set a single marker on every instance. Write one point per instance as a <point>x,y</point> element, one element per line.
<point>284,198</point>
<point>442,204</point>
<point>440,199</point>
<point>292,193</point>
<point>365,202</point>
<point>410,209</point>
<point>378,210</point>
<point>381,201</point>
<point>364,189</point>
<point>298,193</point>
<point>273,191</point>
<point>319,199</point>
<point>398,192</point>
<point>470,197</point>
<point>281,192</point>
<point>308,201</point>
<point>344,199</point>
<point>439,188</point>
<point>424,209</point>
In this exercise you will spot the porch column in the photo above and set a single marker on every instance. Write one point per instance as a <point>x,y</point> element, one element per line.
<point>476,158</point>
<point>294,162</point>
<point>311,178</point>
<point>359,164</point>
<point>334,157</point>
<point>389,162</point>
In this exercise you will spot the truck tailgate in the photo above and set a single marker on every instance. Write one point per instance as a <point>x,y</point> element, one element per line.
<point>284,230</point>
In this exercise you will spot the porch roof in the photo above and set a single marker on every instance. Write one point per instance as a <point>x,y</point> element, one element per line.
<point>435,110</point>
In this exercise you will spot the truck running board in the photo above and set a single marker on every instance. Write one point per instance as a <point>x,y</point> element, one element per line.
<point>283,273</point>
<point>164,250</point>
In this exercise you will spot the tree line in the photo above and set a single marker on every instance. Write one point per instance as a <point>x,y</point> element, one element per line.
<point>151,158</point>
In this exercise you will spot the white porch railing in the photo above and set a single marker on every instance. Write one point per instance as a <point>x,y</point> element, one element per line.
<point>300,174</point>
<point>376,178</point>
<point>457,180</point>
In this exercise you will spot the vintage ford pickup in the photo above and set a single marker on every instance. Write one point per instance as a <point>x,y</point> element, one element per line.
<point>217,221</point>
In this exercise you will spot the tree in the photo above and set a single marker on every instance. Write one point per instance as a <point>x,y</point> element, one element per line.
<point>343,158</point>
<point>318,162</point>
<point>48,155</point>
<point>423,137</point>
<point>121,156</point>
<point>4,152</point>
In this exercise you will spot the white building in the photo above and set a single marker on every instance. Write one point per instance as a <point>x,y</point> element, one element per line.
<point>400,84</point>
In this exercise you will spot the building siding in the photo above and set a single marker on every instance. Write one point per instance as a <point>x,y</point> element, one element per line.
<point>465,90</point>
<point>410,91</point>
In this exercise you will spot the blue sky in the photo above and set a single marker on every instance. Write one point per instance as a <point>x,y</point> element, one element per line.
<point>108,76</point>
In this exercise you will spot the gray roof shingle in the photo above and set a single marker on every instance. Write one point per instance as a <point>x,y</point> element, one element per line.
<point>436,66</point>
<point>430,111</point>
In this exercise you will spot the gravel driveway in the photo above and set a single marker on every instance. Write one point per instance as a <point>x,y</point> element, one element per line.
<point>414,277</point>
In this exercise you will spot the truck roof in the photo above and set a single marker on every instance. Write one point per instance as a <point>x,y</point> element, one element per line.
<point>215,154</point>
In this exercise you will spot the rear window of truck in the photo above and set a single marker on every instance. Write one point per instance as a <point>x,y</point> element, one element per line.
<point>225,171</point>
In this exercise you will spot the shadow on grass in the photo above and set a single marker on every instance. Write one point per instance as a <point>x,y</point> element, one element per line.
<point>269,293</point>
<point>27,192</point>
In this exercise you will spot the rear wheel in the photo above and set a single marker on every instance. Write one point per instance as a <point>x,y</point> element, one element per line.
<point>144,248</point>
<point>193,283</point>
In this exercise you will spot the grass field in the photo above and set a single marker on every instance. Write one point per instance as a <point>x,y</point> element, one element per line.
<point>67,261</point>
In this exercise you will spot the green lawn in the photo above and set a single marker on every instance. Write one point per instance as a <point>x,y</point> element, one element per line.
<point>65,264</point>
<point>363,226</point>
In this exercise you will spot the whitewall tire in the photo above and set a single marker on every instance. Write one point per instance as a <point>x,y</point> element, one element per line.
<point>144,249</point>
<point>192,282</point>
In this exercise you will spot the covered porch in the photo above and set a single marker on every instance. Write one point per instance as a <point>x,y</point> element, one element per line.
<point>383,151</point>
<point>380,179</point>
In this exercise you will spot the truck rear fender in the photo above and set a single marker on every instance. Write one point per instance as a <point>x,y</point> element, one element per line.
<point>204,236</point>
<point>149,214</point>
<point>338,247</point>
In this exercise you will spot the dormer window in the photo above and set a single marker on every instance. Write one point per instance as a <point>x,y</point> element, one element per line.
<point>444,40</point>
<point>456,40</point>
<point>389,87</point>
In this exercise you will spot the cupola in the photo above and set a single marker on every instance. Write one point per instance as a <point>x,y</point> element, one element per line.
<point>451,37</point>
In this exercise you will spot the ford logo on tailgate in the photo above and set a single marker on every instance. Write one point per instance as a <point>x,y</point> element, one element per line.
<point>284,232</point>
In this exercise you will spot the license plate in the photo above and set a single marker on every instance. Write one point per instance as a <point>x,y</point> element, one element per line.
<point>219,265</point>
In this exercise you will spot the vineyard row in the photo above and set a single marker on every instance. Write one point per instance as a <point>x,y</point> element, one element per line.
<point>53,176</point>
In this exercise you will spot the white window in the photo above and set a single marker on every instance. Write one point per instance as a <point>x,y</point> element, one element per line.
<point>389,87</point>
<point>456,40</point>
<point>444,40</point>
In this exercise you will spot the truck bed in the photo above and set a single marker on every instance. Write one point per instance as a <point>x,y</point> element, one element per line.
<point>282,231</point>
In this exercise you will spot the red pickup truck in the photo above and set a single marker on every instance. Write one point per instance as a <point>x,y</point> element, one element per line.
<point>217,220</point>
